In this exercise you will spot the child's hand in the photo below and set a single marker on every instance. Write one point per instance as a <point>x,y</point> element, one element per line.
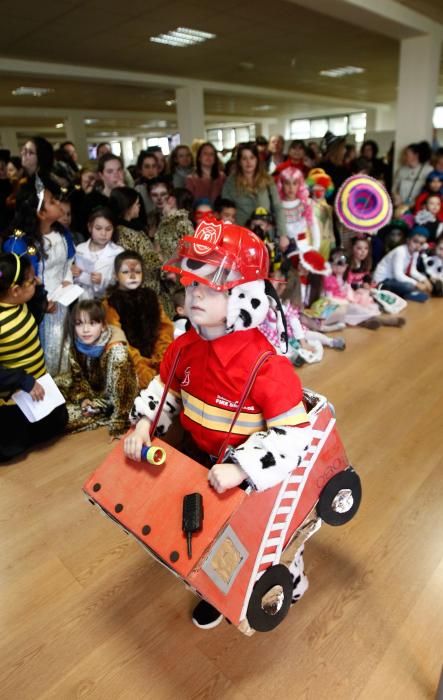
<point>76,271</point>
<point>96,277</point>
<point>37,392</point>
<point>225,476</point>
<point>52,307</point>
<point>305,345</point>
<point>66,283</point>
<point>134,441</point>
<point>85,404</point>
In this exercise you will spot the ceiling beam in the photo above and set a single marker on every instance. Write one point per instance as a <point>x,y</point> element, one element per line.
<point>386,17</point>
<point>66,71</point>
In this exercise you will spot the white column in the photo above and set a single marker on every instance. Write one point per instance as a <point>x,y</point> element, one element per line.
<point>8,138</point>
<point>76,132</point>
<point>417,89</point>
<point>190,113</point>
<point>127,150</point>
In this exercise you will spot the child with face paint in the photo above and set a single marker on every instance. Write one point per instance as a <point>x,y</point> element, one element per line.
<point>101,384</point>
<point>138,312</point>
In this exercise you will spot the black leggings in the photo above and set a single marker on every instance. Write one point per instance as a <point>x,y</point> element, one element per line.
<point>17,434</point>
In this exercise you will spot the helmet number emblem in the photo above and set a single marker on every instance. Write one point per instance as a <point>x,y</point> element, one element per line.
<point>207,231</point>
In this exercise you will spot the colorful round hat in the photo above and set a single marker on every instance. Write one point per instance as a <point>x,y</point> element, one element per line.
<point>363,204</point>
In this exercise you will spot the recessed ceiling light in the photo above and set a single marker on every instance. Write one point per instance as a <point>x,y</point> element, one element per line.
<point>340,72</point>
<point>182,36</point>
<point>60,125</point>
<point>263,108</point>
<point>31,91</point>
<point>169,103</point>
<point>88,122</point>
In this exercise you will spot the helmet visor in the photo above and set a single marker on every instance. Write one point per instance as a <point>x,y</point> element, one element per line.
<point>204,262</point>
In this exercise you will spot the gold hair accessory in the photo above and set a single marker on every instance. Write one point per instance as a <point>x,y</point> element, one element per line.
<point>17,271</point>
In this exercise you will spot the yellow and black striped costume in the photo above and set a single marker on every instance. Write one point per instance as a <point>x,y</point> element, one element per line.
<point>20,347</point>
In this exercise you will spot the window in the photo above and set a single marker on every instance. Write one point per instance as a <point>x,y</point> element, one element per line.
<point>161,141</point>
<point>229,136</point>
<point>300,129</point>
<point>438,117</point>
<point>340,125</point>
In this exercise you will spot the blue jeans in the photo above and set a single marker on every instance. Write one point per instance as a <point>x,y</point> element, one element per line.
<point>407,290</point>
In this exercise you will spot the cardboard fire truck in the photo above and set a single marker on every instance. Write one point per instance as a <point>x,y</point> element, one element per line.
<point>240,557</point>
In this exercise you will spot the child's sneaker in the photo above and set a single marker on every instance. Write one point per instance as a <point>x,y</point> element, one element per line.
<point>205,616</point>
<point>338,344</point>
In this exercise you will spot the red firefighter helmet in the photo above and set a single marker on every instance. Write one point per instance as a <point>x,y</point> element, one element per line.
<point>221,255</point>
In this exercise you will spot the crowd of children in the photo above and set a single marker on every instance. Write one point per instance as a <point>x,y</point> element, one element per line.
<point>108,240</point>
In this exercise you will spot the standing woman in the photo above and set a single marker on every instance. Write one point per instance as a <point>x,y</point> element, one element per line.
<point>208,179</point>
<point>181,164</point>
<point>251,187</point>
<point>37,157</point>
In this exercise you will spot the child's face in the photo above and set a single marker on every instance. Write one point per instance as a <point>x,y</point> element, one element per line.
<point>65,219</point>
<point>101,231</point>
<point>112,174</point>
<point>87,330</point>
<point>265,226</point>
<point>435,185</point>
<point>439,249</point>
<point>159,196</point>
<point>133,211</point>
<point>228,214</point>
<point>149,168</point>
<point>296,152</point>
<point>51,209</point>
<point>25,291</point>
<point>184,157</point>
<point>290,189</point>
<point>338,265</point>
<point>29,157</point>
<point>360,250</point>
<point>318,192</point>
<point>201,211</point>
<point>415,242</point>
<point>279,284</point>
<point>433,205</point>
<point>87,182</point>
<point>130,274</point>
<point>205,307</point>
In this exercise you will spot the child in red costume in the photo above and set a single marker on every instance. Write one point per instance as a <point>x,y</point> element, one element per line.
<point>224,269</point>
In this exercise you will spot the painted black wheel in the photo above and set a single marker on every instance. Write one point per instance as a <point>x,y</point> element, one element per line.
<point>340,499</point>
<point>270,599</point>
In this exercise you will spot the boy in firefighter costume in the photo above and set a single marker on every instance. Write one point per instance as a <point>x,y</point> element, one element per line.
<point>224,269</point>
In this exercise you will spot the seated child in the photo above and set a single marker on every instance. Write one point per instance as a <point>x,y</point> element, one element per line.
<point>351,283</point>
<point>180,320</point>
<point>209,367</point>
<point>432,265</point>
<point>429,217</point>
<point>22,362</point>
<point>225,210</point>
<point>137,311</point>
<point>97,255</point>
<point>398,273</point>
<point>304,345</point>
<point>101,385</point>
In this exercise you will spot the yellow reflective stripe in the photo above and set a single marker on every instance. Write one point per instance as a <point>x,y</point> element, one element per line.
<point>289,420</point>
<point>294,416</point>
<point>220,419</point>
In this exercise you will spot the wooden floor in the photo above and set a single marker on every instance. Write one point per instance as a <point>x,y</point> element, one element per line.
<point>85,612</point>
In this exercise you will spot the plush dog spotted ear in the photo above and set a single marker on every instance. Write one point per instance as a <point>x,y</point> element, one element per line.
<point>275,304</point>
<point>248,306</point>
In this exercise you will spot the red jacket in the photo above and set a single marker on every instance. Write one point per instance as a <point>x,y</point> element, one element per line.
<point>210,378</point>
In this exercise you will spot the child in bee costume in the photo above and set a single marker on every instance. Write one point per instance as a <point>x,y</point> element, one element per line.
<point>224,269</point>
